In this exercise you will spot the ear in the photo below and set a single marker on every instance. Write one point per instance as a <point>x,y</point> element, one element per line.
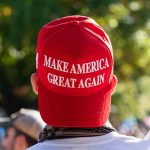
<point>34,82</point>
<point>114,84</point>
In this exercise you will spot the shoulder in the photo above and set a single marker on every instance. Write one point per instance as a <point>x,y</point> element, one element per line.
<point>131,142</point>
<point>123,137</point>
<point>110,141</point>
<point>35,147</point>
<point>39,146</point>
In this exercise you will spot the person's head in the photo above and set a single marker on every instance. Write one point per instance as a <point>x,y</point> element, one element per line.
<point>23,130</point>
<point>74,80</point>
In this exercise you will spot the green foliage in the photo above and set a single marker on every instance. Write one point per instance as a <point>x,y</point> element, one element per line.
<point>126,21</point>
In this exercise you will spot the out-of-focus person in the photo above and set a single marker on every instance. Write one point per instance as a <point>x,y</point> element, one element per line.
<point>23,130</point>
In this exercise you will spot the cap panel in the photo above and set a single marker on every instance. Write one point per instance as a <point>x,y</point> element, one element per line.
<point>80,68</point>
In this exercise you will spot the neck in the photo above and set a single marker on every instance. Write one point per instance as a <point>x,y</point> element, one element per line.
<point>51,132</point>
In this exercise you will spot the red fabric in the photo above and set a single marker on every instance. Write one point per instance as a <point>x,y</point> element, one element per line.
<point>75,66</point>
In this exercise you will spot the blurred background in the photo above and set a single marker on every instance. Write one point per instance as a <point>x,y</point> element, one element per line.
<point>126,21</point>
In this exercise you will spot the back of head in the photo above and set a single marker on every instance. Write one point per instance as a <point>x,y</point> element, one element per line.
<point>74,63</point>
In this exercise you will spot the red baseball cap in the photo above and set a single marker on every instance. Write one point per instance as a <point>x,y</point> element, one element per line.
<point>74,64</point>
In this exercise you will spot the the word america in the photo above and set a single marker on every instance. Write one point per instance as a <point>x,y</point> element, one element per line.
<point>83,68</point>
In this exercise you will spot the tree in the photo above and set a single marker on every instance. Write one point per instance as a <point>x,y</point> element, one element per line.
<point>126,21</point>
